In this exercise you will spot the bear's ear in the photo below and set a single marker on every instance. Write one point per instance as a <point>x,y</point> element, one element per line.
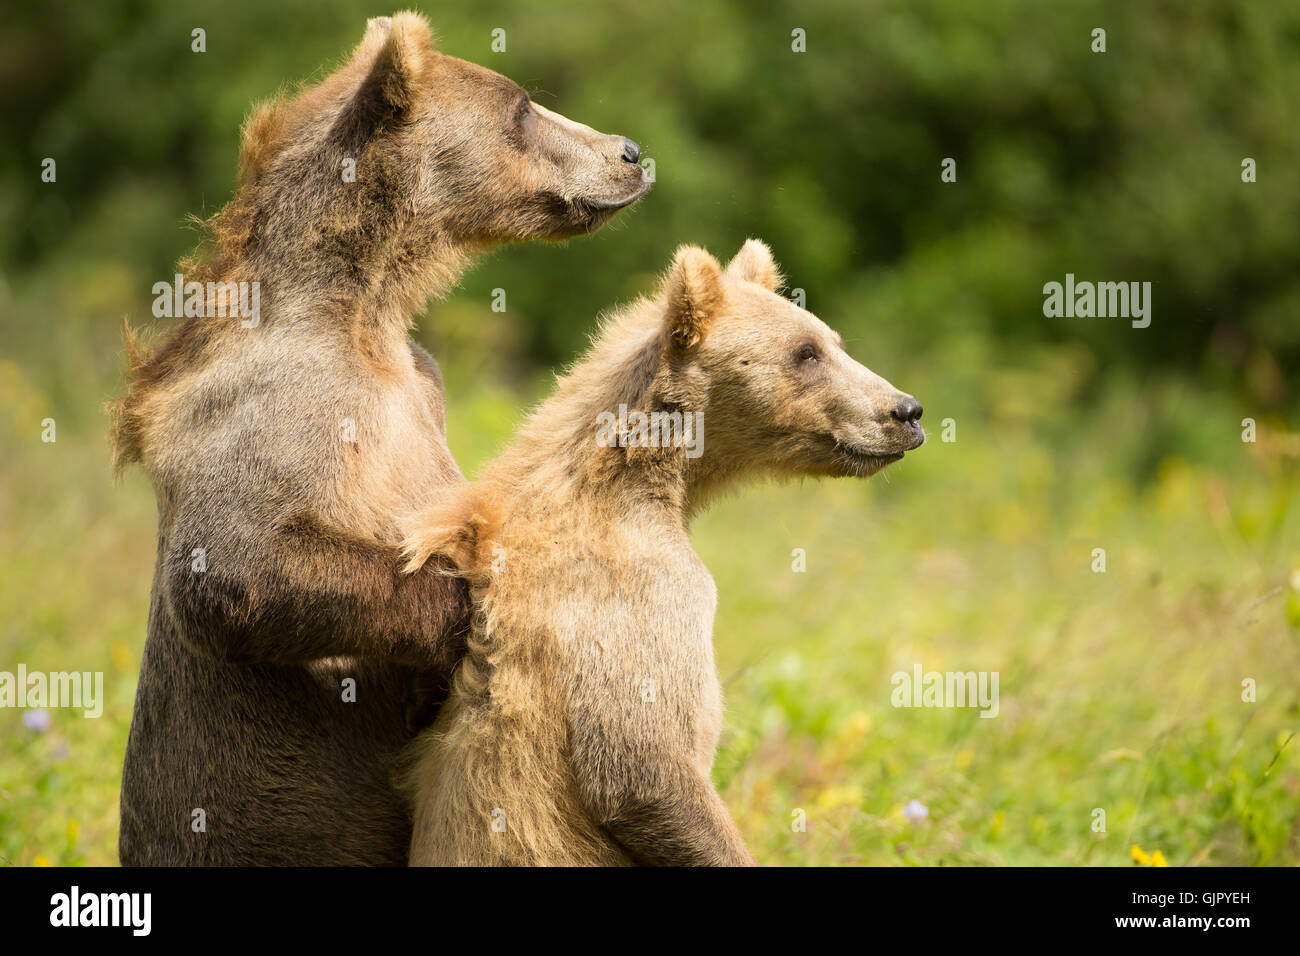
<point>694,295</point>
<point>754,263</point>
<point>397,53</point>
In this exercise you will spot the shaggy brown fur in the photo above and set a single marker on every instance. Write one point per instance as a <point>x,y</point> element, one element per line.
<point>583,719</point>
<point>286,452</point>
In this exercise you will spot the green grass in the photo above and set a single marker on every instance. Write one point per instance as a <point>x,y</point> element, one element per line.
<point>1119,692</point>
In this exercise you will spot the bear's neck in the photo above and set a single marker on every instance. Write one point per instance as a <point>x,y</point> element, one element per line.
<point>380,294</point>
<point>323,269</point>
<point>585,449</point>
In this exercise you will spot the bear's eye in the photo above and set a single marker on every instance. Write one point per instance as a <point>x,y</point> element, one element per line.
<point>807,353</point>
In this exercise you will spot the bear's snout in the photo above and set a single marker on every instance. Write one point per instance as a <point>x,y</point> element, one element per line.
<point>908,410</point>
<point>907,413</point>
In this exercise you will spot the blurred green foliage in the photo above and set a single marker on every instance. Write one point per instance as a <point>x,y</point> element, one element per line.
<point>1120,691</point>
<point>1123,165</point>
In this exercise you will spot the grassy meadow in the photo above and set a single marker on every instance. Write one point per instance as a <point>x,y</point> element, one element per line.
<point>1119,691</point>
<point>1151,705</point>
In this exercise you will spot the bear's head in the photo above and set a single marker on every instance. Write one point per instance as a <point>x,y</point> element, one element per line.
<point>404,150</point>
<point>777,390</point>
<point>715,379</point>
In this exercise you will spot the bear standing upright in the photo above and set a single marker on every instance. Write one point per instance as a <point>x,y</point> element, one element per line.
<point>285,651</point>
<point>582,721</point>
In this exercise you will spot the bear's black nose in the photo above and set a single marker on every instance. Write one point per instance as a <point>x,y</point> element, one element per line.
<point>631,151</point>
<point>907,410</point>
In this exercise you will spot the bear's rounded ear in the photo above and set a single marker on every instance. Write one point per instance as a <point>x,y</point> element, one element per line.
<point>399,50</point>
<point>754,263</point>
<point>694,295</point>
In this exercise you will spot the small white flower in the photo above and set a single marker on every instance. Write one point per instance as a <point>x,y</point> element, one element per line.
<point>38,719</point>
<point>916,811</point>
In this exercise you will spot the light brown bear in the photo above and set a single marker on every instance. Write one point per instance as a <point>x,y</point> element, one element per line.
<point>288,660</point>
<point>583,719</point>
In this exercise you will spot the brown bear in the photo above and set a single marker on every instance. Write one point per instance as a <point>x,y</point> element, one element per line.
<point>288,660</point>
<point>582,721</point>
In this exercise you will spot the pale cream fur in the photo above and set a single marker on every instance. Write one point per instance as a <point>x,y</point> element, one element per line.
<point>583,720</point>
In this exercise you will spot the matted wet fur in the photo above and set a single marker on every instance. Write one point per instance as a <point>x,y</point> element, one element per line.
<point>283,454</point>
<point>583,719</point>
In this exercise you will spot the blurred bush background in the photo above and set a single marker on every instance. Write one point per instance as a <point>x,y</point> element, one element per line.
<point>1120,691</point>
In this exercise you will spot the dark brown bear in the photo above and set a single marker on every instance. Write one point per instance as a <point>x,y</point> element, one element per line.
<point>288,661</point>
